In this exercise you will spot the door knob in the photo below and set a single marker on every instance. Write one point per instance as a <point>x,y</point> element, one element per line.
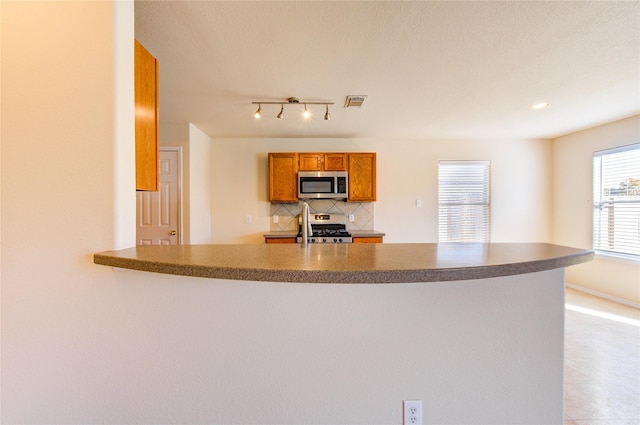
<point>173,233</point>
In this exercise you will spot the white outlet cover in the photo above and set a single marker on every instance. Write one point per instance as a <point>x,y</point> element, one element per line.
<point>412,412</point>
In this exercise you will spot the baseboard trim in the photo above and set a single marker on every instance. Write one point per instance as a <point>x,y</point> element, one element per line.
<point>603,295</point>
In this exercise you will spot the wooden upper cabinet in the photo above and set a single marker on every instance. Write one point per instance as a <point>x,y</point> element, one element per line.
<point>323,161</point>
<point>335,162</point>
<point>283,177</point>
<point>362,177</point>
<point>311,161</point>
<point>146,120</point>
<point>284,167</point>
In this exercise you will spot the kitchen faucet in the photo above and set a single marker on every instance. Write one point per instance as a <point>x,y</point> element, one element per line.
<point>306,226</point>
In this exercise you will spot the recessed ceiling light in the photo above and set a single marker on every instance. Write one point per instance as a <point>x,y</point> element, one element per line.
<point>536,106</point>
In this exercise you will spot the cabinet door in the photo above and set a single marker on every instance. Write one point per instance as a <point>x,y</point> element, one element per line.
<point>283,177</point>
<point>311,161</point>
<point>367,239</point>
<point>280,240</point>
<point>146,119</point>
<point>362,177</point>
<point>335,162</point>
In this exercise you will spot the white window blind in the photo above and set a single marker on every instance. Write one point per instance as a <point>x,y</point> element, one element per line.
<point>616,200</point>
<point>464,201</point>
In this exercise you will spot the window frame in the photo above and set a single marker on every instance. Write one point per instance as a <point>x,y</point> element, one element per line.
<point>484,237</point>
<point>598,204</point>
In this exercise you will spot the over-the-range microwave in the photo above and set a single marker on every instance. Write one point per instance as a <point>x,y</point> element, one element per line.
<point>323,185</point>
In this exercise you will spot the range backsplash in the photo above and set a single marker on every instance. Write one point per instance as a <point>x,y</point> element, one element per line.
<point>288,213</point>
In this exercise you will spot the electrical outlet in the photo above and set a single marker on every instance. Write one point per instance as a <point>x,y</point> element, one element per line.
<point>419,203</point>
<point>276,219</point>
<point>247,219</point>
<point>412,412</point>
<point>352,218</point>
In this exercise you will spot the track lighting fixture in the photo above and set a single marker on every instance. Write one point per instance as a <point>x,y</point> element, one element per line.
<point>293,101</point>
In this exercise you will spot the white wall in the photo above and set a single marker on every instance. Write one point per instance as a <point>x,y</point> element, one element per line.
<point>199,186</point>
<point>573,208</point>
<point>407,170</point>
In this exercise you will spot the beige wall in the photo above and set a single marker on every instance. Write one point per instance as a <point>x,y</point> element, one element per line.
<point>573,203</point>
<point>407,170</point>
<point>83,343</point>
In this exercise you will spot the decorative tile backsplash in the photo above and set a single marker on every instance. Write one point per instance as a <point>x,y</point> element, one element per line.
<point>288,213</point>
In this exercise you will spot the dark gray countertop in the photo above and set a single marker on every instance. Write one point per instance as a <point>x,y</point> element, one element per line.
<point>347,263</point>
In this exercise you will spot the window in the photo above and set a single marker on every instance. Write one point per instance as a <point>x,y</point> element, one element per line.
<point>616,201</point>
<point>464,204</point>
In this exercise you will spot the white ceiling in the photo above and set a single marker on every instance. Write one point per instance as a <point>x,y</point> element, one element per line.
<point>431,70</point>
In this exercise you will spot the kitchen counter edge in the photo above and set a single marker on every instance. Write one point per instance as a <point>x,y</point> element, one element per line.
<point>345,263</point>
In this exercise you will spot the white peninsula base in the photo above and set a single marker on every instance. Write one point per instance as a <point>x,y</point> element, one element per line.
<point>482,351</point>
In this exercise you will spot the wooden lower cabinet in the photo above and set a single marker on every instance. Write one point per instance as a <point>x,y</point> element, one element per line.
<point>356,239</point>
<point>367,239</point>
<point>280,240</point>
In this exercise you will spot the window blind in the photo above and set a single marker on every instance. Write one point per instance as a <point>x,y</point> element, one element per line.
<point>464,201</point>
<point>616,200</point>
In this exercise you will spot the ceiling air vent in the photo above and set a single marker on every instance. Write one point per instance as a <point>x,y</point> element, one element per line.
<point>355,101</point>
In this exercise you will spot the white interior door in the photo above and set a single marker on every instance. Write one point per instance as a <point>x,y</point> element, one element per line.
<point>158,213</point>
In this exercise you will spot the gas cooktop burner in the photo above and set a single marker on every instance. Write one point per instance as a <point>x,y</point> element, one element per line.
<point>330,232</point>
<point>326,228</point>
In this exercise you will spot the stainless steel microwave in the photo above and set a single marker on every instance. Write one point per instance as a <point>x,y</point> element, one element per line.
<point>323,185</point>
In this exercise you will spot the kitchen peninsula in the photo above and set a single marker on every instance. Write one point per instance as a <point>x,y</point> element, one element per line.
<point>475,331</point>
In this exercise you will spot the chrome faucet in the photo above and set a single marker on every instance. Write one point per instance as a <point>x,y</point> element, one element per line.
<point>306,226</point>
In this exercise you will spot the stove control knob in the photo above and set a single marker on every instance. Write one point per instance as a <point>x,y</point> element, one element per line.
<point>313,240</point>
<point>324,240</point>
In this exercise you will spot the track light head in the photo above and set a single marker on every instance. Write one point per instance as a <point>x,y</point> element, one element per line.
<point>306,114</point>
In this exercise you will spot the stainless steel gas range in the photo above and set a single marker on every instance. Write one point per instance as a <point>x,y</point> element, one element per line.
<point>326,228</point>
